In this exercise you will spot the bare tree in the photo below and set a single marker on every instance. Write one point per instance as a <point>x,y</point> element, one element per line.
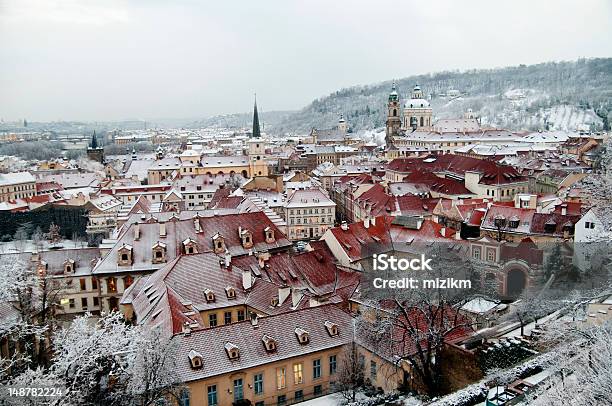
<point>350,374</point>
<point>413,325</point>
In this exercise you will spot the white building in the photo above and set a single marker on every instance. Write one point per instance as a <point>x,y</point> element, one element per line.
<point>309,213</point>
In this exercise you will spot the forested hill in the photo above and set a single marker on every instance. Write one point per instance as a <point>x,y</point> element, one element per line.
<point>554,95</point>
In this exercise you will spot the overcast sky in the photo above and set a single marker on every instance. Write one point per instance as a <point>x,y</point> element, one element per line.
<point>145,59</point>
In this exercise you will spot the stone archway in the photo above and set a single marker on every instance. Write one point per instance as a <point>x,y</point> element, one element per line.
<point>516,282</point>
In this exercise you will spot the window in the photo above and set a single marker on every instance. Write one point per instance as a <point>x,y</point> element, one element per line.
<point>212,320</point>
<point>299,395</point>
<point>111,285</point>
<point>124,257</point>
<point>212,395</point>
<point>490,255</point>
<point>96,301</point>
<point>127,281</point>
<point>258,384</point>
<point>362,361</point>
<point>373,371</point>
<point>94,283</point>
<point>227,318</point>
<point>260,403</point>
<point>184,398</point>
<point>476,253</point>
<point>83,282</point>
<point>238,389</point>
<point>318,390</point>
<point>298,373</point>
<point>316,369</point>
<point>240,315</point>
<point>281,400</point>
<point>333,364</point>
<point>281,378</point>
<point>84,303</point>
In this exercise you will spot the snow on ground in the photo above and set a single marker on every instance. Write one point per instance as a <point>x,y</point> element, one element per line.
<point>528,328</point>
<point>327,400</point>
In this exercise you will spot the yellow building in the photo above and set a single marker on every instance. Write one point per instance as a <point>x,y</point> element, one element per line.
<point>275,360</point>
<point>18,185</point>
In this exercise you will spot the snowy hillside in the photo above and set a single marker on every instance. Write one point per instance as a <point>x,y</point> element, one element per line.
<point>564,96</point>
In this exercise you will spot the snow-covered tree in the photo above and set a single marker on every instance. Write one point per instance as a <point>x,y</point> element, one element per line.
<point>581,367</point>
<point>107,361</point>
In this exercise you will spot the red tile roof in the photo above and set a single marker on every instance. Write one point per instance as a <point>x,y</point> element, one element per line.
<point>377,200</point>
<point>492,172</point>
<point>437,184</point>
<point>360,242</point>
<point>410,205</point>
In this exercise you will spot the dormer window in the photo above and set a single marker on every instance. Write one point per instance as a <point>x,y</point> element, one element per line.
<point>332,328</point>
<point>246,238</point>
<point>269,233</point>
<point>550,226</point>
<point>159,253</point>
<point>69,266</point>
<point>514,222</point>
<point>499,221</point>
<point>125,255</point>
<point>233,352</point>
<point>269,343</point>
<point>274,302</point>
<point>230,292</point>
<point>190,246</point>
<point>302,335</point>
<point>218,243</point>
<point>209,295</point>
<point>195,359</point>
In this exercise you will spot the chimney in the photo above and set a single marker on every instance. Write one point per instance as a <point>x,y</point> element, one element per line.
<point>247,279</point>
<point>373,221</point>
<point>254,320</point>
<point>366,222</point>
<point>196,224</point>
<point>564,209</point>
<point>442,231</point>
<point>136,232</point>
<point>228,259</point>
<point>186,329</point>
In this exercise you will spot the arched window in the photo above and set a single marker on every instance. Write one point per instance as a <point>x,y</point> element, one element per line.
<point>394,112</point>
<point>421,121</point>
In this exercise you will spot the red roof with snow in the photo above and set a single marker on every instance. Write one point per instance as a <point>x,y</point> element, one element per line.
<point>492,173</point>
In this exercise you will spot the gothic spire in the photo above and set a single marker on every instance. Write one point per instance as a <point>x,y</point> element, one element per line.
<point>94,140</point>
<point>256,130</point>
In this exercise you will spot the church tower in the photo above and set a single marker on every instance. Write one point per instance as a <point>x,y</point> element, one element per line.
<point>417,112</point>
<point>94,151</point>
<point>256,131</point>
<point>394,121</point>
<point>258,165</point>
<point>342,125</point>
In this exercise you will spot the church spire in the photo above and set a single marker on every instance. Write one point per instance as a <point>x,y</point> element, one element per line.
<point>256,130</point>
<point>94,141</point>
